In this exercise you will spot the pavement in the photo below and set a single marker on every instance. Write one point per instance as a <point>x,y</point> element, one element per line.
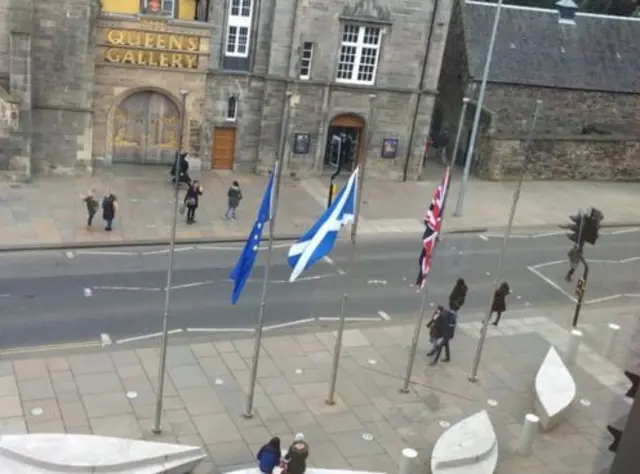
<point>87,296</point>
<point>48,212</point>
<point>111,392</point>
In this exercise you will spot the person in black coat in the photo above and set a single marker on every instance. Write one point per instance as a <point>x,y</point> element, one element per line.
<point>499,304</point>
<point>458,295</point>
<point>191,200</point>
<point>446,325</point>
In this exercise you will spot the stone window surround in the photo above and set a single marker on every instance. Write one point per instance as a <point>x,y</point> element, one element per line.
<point>306,60</point>
<point>231,109</point>
<point>241,22</point>
<point>359,44</point>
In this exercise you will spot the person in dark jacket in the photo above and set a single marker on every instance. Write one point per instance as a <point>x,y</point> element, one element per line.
<point>296,457</point>
<point>191,200</point>
<point>458,295</point>
<point>92,206</point>
<point>446,325</point>
<point>234,196</point>
<point>434,330</point>
<point>181,164</point>
<point>109,208</point>
<point>269,456</point>
<point>574,260</point>
<point>499,304</point>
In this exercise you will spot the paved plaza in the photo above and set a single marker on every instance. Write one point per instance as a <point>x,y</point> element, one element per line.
<point>111,392</point>
<point>49,210</point>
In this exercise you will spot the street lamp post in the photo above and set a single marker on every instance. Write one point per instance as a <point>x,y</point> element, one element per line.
<point>157,424</point>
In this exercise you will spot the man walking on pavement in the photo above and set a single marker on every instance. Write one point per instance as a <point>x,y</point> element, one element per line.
<point>445,328</point>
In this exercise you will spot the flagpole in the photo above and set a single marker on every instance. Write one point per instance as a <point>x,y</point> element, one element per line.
<point>157,423</point>
<point>248,410</point>
<point>473,377</point>
<point>347,275</point>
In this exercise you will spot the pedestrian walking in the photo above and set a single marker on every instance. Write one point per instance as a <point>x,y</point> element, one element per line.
<point>499,304</point>
<point>434,334</point>
<point>446,326</point>
<point>575,255</point>
<point>234,196</point>
<point>109,209</point>
<point>269,456</point>
<point>458,295</point>
<point>296,458</point>
<point>192,199</point>
<point>92,206</point>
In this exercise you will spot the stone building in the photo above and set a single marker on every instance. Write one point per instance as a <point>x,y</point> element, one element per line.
<point>584,69</point>
<point>86,82</point>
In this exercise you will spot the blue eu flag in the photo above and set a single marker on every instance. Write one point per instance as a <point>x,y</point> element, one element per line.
<point>242,270</point>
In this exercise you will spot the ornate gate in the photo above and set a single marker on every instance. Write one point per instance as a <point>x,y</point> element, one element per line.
<point>145,129</point>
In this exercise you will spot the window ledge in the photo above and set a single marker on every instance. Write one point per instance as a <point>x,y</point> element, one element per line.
<point>365,20</point>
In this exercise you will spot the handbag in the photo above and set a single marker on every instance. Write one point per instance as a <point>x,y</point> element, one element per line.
<point>191,201</point>
<point>182,208</point>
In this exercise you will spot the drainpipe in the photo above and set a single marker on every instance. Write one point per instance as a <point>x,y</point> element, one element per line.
<point>416,109</point>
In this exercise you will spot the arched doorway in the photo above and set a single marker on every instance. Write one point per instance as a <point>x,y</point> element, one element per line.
<point>145,129</point>
<point>345,138</point>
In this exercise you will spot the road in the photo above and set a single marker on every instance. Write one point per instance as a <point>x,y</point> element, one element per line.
<point>52,297</point>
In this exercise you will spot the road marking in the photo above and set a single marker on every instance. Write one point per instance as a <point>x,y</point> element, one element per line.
<point>384,315</point>
<point>155,252</point>
<point>331,262</point>
<point>547,234</point>
<point>288,324</point>
<point>548,264</point>
<point>354,320</point>
<point>50,347</point>
<point>603,299</point>
<point>104,252</point>
<point>549,281</point>
<point>126,288</point>
<point>631,259</point>
<point>231,248</point>
<point>377,282</point>
<point>483,237</point>
<point>105,339</point>
<point>147,336</point>
<point>5,296</point>
<point>70,255</point>
<point>88,292</point>
<point>220,330</point>
<point>193,285</point>
<point>310,278</point>
<point>632,295</point>
<point>622,231</point>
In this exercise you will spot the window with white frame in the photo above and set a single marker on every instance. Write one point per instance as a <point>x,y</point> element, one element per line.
<point>359,54</point>
<point>238,28</point>
<point>163,7</point>
<point>232,109</point>
<point>306,57</point>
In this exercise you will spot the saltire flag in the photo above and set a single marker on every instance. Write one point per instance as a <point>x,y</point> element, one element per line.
<point>432,221</point>
<point>321,238</point>
<point>241,272</point>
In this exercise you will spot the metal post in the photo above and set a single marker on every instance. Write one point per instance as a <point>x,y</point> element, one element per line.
<point>157,424</point>
<point>248,411</point>
<point>478,112</point>
<point>585,276</point>
<point>473,377</point>
<point>528,434</point>
<point>408,461</point>
<point>347,276</point>
<point>463,115</point>
<point>414,343</point>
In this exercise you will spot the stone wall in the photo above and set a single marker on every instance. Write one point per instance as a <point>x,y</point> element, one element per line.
<point>563,158</point>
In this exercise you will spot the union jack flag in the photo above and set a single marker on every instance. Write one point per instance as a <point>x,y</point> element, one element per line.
<point>432,222</point>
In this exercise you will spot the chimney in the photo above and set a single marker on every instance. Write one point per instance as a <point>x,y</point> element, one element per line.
<point>567,10</point>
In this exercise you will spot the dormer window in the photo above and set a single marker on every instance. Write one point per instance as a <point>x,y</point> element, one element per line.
<point>239,28</point>
<point>160,7</point>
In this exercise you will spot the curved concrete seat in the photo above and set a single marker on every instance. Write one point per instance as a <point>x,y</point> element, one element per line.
<point>78,453</point>
<point>555,390</point>
<point>309,470</point>
<point>468,447</point>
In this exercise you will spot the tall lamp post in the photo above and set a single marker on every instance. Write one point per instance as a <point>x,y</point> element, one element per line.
<point>157,424</point>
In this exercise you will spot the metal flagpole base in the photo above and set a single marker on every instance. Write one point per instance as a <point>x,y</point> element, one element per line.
<point>404,390</point>
<point>156,430</point>
<point>473,379</point>
<point>330,402</point>
<point>247,416</point>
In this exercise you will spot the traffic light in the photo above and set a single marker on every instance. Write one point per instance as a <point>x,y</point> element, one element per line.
<point>617,428</point>
<point>576,228</point>
<point>592,226</point>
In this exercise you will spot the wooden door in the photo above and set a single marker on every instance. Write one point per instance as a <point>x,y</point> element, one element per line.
<point>224,144</point>
<point>145,129</point>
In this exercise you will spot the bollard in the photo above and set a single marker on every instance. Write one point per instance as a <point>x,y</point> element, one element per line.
<point>527,436</point>
<point>610,339</point>
<point>408,461</point>
<point>573,345</point>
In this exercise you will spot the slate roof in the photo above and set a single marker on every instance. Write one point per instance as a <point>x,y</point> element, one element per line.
<point>598,53</point>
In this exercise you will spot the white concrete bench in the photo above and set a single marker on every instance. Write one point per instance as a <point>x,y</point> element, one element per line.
<point>309,470</point>
<point>468,447</point>
<point>555,390</point>
<point>56,453</point>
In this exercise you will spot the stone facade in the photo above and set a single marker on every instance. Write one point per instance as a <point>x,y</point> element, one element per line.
<point>70,93</point>
<point>580,133</point>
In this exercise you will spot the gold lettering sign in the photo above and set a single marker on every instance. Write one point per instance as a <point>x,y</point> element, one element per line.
<point>152,49</point>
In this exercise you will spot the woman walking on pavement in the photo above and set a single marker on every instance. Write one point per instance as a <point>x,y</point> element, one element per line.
<point>269,456</point>
<point>109,208</point>
<point>446,326</point>
<point>234,196</point>
<point>191,200</point>
<point>92,206</point>
<point>458,295</point>
<point>499,304</point>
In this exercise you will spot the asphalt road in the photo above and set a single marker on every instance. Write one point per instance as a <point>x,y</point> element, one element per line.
<point>52,297</point>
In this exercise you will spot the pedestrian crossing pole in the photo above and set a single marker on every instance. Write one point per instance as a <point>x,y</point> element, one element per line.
<point>157,424</point>
<point>347,276</point>
<point>248,411</point>
<point>473,376</point>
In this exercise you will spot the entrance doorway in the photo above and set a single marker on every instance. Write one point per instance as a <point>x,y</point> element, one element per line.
<point>145,129</point>
<point>345,138</point>
<point>224,144</point>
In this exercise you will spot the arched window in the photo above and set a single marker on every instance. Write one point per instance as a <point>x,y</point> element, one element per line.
<point>232,109</point>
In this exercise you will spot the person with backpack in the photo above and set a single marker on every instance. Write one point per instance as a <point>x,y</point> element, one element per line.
<point>192,200</point>
<point>269,456</point>
<point>445,326</point>
<point>295,461</point>
<point>234,196</point>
